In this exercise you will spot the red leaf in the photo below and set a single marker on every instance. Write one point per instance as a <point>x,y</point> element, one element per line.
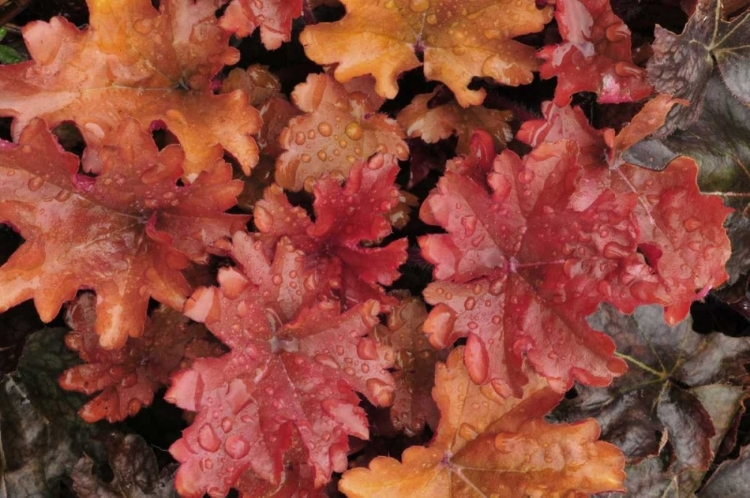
<point>346,218</point>
<point>519,269</point>
<point>274,17</point>
<point>293,371</point>
<point>129,376</point>
<point>673,216</point>
<point>594,56</point>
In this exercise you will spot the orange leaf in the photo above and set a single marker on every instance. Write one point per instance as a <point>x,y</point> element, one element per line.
<point>134,61</point>
<point>437,123</point>
<point>460,40</point>
<point>126,234</point>
<point>486,445</point>
<point>341,128</point>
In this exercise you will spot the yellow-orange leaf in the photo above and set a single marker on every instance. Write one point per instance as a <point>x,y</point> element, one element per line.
<point>134,62</point>
<point>340,128</point>
<point>460,40</point>
<point>489,446</point>
<point>432,124</point>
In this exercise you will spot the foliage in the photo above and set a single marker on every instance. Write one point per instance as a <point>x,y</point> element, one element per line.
<point>395,254</point>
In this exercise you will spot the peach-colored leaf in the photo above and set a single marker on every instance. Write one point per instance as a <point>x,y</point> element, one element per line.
<point>340,128</point>
<point>489,446</point>
<point>459,39</point>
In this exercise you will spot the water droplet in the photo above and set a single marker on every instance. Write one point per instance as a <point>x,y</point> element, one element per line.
<point>692,224</point>
<point>354,131</point>
<point>419,5</point>
<point>277,280</point>
<point>143,26</point>
<point>325,129</point>
<point>63,195</point>
<point>367,349</point>
<point>349,371</point>
<point>129,380</point>
<point>305,158</point>
<point>617,32</point>
<point>36,183</point>
<point>322,155</point>
<point>526,176</point>
<point>226,424</point>
<point>470,225</point>
<point>468,431</point>
<point>299,138</point>
<point>470,303</point>
<point>327,360</point>
<point>495,319</point>
<point>236,446</point>
<point>207,438</point>
<point>208,463</point>
<point>340,350</point>
<point>613,250</point>
<point>134,406</point>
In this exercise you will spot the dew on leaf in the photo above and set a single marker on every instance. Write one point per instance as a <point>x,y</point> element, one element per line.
<point>354,131</point>
<point>207,438</point>
<point>236,446</point>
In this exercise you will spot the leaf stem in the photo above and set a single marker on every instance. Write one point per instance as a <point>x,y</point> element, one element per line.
<point>640,365</point>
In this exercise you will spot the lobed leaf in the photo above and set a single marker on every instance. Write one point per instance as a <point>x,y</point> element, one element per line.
<point>459,40</point>
<point>488,445</point>
<point>126,234</point>
<point>349,223</point>
<point>594,56</point>
<point>340,128</point>
<point>127,378</point>
<point>118,68</point>
<point>295,365</point>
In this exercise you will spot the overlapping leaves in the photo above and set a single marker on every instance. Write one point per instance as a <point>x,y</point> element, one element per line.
<point>295,365</point>
<point>126,234</point>
<point>486,444</point>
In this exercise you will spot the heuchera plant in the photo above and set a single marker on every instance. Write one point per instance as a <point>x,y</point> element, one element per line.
<point>284,355</point>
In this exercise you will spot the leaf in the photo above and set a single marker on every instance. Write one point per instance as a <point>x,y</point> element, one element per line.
<point>595,55</point>
<point>119,68</point>
<point>42,436</point>
<point>458,41</point>
<point>682,64</point>
<point>295,365</point>
<point>415,358</point>
<point>431,124</point>
<point>340,128</point>
<point>674,219</point>
<point>673,372</point>
<point>126,378</point>
<point>273,17</point>
<point>488,445</point>
<point>135,469</point>
<point>519,269</point>
<point>350,222</point>
<point>717,141</point>
<point>126,234</point>
<point>730,478</point>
